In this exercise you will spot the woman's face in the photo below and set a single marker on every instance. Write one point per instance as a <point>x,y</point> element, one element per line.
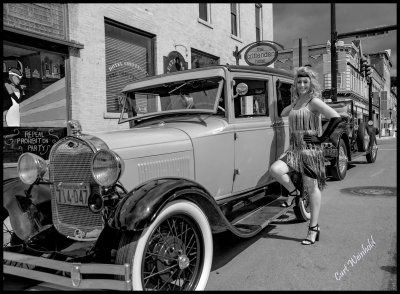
<point>303,85</point>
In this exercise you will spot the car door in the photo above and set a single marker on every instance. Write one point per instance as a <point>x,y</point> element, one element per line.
<point>254,147</point>
<point>282,92</point>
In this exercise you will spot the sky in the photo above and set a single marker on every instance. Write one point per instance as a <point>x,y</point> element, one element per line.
<point>292,21</point>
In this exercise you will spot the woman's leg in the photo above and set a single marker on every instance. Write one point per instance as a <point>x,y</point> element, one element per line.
<point>311,186</point>
<point>279,170</point>
<point>315,198</point>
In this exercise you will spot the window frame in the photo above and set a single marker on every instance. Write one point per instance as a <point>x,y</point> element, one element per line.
<point>237,20</point>
<point>267,84</point>
<point>208,12</point>
<point>152,66</point>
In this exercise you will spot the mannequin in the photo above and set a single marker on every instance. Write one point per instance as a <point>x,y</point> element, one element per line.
<point>13,93</point>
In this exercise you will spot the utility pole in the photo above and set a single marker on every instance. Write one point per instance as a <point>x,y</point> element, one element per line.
<point>333,54</point>
<point>369,81</point>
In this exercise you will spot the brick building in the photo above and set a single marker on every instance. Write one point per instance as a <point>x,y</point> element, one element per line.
<point>108,45</point>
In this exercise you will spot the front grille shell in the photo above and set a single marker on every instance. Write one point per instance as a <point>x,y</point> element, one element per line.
<point>70,162</point>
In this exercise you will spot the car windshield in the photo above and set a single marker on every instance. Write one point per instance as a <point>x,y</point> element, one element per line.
<point>189,96</point>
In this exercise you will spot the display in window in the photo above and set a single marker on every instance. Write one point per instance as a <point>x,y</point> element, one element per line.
<point>13,94</point>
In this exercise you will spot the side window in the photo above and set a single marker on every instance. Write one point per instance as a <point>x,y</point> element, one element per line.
<point>255,103</point>
<point>284,96</point>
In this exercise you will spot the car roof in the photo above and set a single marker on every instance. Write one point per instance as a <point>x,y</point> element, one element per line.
<point>233,68</point>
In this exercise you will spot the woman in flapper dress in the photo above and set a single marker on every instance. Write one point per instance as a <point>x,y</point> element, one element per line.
<point>305,154</point>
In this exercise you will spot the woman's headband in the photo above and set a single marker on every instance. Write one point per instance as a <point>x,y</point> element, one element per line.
<point>303,74</point>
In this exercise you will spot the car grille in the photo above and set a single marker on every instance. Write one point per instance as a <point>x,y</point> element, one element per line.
<point>70,161</point>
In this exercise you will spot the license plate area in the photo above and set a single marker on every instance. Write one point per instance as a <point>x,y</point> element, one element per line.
<point>76,194</point>
<point>330,152</point>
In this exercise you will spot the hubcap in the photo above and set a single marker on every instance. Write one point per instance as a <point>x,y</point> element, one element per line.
<point>183,261</point>
<point>342,159</point>
<point>366,140</point>
<point>374,150</point>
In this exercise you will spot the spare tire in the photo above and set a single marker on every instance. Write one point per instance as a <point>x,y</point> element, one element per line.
<point>362,137</point>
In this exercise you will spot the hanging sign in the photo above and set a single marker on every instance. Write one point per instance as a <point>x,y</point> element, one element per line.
<point>174,62</point>
<point>261,54</point>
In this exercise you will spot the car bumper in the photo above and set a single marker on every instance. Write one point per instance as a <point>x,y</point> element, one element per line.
<point>67,274</point>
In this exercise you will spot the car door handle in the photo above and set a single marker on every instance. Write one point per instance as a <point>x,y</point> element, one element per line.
<point>277,123</point>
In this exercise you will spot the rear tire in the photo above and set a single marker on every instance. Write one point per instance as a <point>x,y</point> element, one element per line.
<point>339,168</point>
<point>302,209</point>
<point>173,253</point>
<point>362,137</point>
<point>373,152</point>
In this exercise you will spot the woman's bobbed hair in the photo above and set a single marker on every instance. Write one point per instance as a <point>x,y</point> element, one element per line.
<point>304,71</point>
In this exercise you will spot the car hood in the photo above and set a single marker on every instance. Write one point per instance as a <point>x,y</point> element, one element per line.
<point>146,141</point>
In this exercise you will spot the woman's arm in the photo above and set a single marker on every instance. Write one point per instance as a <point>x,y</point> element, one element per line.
<point>287,109</point>
<point>319,106</point>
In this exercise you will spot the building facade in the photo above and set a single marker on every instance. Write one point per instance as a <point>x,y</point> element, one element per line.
<point>75,58</point>
<point>124,42</point>
<point>351,83</point>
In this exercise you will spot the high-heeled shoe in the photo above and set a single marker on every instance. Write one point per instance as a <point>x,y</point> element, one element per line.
<point>287,204</point>
<point>308,240</point>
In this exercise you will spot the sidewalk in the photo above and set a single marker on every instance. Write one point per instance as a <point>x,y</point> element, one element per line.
<point>385,137</point>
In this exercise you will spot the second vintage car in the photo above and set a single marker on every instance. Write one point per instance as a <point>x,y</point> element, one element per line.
<point>136,209</point>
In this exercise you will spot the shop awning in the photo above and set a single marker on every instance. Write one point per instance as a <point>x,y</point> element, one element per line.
<point>39,41</point>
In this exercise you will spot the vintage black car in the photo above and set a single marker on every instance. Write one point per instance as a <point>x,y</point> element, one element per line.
<point>350,140</point>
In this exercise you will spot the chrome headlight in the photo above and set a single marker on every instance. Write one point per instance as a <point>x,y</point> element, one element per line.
<point>107,167</point>
<point>31,167</point>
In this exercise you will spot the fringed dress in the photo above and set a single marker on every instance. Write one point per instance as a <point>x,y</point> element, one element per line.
<point>305,159</point>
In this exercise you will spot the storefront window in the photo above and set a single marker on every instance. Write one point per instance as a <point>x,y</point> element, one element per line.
<point>129,56</point>
<point>34,100</point>
<point>201,59</point>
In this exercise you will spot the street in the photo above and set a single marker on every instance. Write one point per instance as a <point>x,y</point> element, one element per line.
<point>275,259</point>
<point>356,251</point>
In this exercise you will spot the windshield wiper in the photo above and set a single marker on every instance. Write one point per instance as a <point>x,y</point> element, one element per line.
<point>180,86</point>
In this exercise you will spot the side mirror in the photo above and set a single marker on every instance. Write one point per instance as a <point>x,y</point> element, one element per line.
<point>241,89</point>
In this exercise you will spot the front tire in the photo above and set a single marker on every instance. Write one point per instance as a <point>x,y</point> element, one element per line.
<point>173,253</point>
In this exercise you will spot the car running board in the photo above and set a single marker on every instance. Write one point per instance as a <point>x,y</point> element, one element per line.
<point>253,222</point>
<point>356,155</point>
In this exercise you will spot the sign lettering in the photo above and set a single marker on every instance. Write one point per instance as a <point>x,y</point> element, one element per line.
<point>37,140</point>
<point>261,54</point>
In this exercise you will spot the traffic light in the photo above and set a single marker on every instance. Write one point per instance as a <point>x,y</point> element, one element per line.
<point>363,66</point>
<point>368,71</point>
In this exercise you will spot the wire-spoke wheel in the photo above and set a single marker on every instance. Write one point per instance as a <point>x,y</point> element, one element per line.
<point>7,232</point>
<point>339,166</point>
<point>172,253</point>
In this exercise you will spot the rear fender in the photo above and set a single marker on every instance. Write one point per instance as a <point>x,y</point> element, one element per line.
<point>142,205</point>
<point>340,134</point>
<point>372,135</point>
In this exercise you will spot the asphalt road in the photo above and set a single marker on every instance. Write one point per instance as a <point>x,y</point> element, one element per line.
<point>358,218</point>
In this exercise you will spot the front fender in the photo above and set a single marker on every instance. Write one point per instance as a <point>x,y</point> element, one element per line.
<point>142,205</point>
<point>23,212</point>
